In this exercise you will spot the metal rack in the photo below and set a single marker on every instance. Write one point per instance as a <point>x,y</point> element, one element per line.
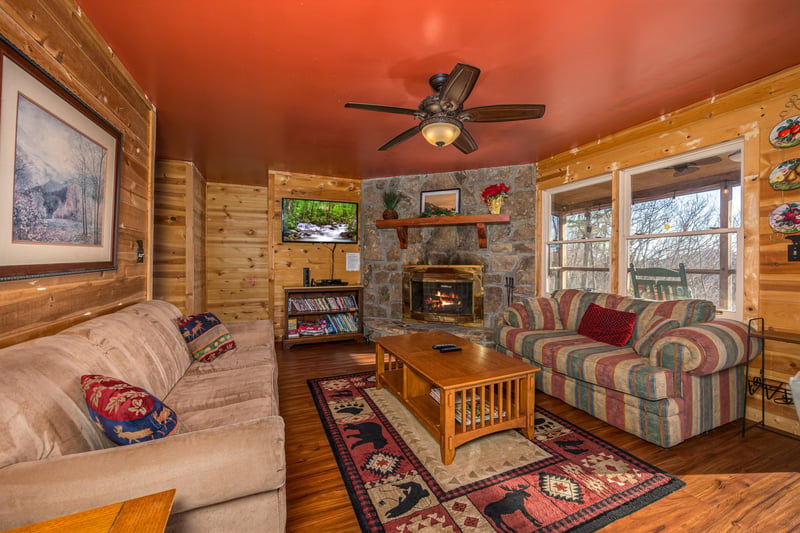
<point>775,391</point>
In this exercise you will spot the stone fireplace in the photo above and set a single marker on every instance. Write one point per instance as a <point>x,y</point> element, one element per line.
<point>508,252</point>
<point>443,293</point>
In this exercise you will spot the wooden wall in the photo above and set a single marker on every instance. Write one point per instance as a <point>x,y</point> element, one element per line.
<point>288,259</point>
<point>62,41</point>
<point>237,252</point>
<point>772,284</point>
<point>179,252</point>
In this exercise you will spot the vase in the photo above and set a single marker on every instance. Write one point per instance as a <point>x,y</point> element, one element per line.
<point>390,214</point>
<point>495,204</point>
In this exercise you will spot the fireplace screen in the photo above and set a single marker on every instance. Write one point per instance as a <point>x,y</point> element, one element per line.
<point>452,298</point>
<point>452,293</point>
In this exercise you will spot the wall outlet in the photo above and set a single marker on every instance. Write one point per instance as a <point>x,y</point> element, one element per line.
<point>794,248</point>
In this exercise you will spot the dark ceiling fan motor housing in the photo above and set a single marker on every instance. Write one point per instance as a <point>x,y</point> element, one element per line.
<point>446,106</point>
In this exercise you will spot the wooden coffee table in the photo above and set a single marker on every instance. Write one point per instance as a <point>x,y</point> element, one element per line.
<point>148,514</point>
<point>497,387</point>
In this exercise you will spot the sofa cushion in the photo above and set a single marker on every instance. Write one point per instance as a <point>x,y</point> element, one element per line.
<point>205,389</point>
<point>42,410</point>
<point>139,344</point>
<point>206,336</point>
<point>618,368</point>
<point>520,341</point>
<point>686,312</point>
<point>127,414</point>
<point>572,304</point>
<point>653,329</point>
<point>533,313</point>
<point>607,325</point>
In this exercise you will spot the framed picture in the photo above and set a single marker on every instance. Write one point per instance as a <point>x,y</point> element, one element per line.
<point>441,202</point>
<point>59,177</point>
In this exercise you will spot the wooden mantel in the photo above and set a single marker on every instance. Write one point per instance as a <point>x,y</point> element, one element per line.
<point>480,221</point>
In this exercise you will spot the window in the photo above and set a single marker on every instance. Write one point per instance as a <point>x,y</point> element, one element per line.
<point>579,235</point>
<point>685,210</point>
<point>688,210</point>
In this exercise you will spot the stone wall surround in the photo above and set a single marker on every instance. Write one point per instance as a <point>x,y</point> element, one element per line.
<point>510,247</point>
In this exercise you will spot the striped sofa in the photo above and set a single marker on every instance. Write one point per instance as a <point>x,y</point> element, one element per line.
<point>681,374</point>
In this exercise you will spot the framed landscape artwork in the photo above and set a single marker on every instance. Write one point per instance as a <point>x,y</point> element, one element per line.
<point>59,177</point>
<point>440,202</point>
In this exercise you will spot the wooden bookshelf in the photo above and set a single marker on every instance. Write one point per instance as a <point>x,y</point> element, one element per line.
<point>338,304</point>
<point>479,221</point>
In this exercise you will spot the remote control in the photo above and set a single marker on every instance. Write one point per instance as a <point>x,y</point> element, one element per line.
<point>440,346</point>
<point>450,349</point>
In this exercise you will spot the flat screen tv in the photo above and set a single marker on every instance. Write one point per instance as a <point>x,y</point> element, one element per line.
<point>319,221</point>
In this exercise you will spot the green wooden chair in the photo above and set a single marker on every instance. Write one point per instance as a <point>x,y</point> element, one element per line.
<point>660,283</point>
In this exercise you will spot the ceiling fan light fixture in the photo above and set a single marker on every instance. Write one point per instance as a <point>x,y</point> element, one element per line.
<point>440,130</point>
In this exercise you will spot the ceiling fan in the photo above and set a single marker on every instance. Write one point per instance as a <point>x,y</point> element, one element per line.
<point>442,114</point>
<point>682,169</point>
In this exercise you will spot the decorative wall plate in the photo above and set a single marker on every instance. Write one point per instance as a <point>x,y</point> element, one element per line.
<point>786,133</point>
<point>786,218</point>
<point>785,176</point>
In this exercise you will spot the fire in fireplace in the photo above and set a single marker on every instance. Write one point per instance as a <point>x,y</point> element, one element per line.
<point>443,293</point>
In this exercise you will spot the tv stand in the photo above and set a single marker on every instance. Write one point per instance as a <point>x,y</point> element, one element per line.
<point>338,305</point>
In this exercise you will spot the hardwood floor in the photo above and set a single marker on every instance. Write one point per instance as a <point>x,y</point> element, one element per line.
<point>748,484</point>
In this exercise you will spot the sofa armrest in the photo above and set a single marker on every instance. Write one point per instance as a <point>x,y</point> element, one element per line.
<point>252,332</point>
<point>532,314</point>
<point>704,348</point>
<point>206,467</point>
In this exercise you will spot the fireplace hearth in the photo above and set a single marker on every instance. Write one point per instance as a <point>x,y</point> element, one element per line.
<point>443,293</point>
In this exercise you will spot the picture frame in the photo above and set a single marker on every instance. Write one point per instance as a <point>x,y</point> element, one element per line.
<point>440,202</point>
<point>59,176</point>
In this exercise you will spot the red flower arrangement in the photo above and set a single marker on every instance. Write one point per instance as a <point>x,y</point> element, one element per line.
<point>494,191</point>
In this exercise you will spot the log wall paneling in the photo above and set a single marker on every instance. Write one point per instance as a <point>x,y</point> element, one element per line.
<point>772,284</point>
<point>56,35</point>
<point>237,252</point>
<point>289,259</point>
<point>197,244</point>
<point>179,236</point>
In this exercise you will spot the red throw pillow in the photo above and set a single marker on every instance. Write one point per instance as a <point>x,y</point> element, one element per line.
<point>607,325</point>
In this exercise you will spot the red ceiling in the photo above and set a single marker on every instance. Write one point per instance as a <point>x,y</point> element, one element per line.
<point>245,86</point>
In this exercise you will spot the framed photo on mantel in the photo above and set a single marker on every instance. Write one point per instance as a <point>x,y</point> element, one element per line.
<point>440,202</point>
<point>59,176</point>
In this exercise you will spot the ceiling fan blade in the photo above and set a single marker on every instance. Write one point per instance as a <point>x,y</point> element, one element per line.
<point>708,160</point>
<point>465,142</point>
<point>502,113</point>
<point>382,108</point>
<point>406,135</point>
<point>683,170</point>
<point>458,86</point>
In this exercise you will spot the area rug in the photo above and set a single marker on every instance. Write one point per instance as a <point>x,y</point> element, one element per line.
<point>564,480</point>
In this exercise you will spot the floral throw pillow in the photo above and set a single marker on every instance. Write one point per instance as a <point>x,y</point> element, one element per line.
<point>206,336</point>
<point>125,413</point>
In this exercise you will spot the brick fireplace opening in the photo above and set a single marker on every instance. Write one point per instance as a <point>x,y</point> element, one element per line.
<point>443,293</point>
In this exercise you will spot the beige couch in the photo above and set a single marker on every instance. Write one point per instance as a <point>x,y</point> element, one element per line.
<point>229,468</point>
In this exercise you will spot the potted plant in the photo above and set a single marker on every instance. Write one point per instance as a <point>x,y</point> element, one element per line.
<point>391,197</point>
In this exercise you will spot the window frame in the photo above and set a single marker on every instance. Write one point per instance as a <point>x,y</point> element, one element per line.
<point>624,213</point>
<point>620,182</point>
<point>547,212</point>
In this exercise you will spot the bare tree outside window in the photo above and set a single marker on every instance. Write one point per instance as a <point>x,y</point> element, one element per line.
<point>683,211</point>
<point>695,225</point>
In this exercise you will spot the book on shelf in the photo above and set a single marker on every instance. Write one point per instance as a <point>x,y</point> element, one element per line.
<point>485,407</point>
<point>291,328</point>
<point>310,328</point>
<point>323,304</point>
